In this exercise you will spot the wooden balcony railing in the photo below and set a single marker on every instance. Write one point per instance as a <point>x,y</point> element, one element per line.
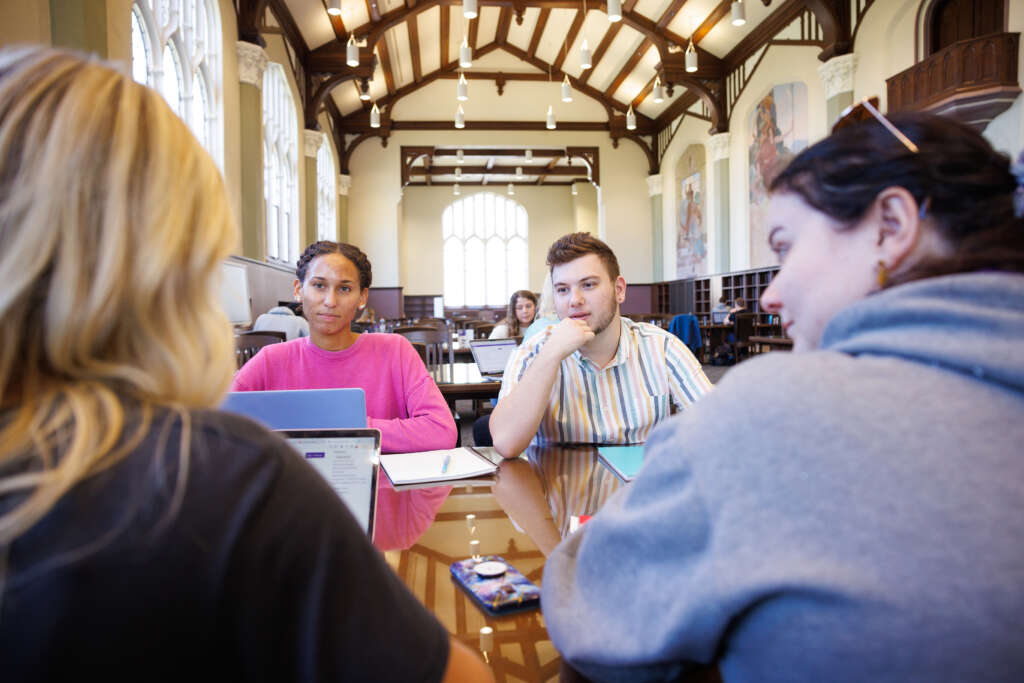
<point>972,80</point>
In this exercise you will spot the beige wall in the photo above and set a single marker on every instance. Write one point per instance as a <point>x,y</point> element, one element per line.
<point>550,211</point>
<point>24,21</point>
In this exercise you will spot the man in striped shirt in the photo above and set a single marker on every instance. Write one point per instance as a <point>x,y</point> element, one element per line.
<point>595,377</point>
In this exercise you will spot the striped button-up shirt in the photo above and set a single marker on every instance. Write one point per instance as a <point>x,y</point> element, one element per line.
<point>621,402</point>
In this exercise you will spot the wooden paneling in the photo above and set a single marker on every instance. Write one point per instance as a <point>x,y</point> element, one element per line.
<point>387,302</point>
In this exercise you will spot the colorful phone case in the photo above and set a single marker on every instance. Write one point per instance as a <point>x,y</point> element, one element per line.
<point>498,595</point>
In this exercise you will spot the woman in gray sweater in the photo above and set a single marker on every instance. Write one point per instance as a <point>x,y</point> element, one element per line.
<point>855,510</point>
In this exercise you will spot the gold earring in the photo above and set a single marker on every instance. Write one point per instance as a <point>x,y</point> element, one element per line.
<point>883,275</point>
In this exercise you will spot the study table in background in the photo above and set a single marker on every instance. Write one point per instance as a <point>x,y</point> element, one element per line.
<point>541,491</point>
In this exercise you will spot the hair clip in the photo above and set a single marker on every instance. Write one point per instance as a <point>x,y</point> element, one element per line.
<point>852,115</point>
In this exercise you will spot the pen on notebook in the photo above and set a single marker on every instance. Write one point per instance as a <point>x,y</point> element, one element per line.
<point>444,465</point>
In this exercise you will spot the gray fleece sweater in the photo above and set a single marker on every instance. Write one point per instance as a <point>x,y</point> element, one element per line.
<point>850,514</point>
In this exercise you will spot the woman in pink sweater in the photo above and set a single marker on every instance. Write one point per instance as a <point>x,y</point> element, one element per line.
<point>402,400</point>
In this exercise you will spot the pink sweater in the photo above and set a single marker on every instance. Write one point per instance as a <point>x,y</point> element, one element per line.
<point>402,401</point>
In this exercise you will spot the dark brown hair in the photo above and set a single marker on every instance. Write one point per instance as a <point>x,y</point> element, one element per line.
<point>511,321</point>
<point>577,245</point>
<point>349,251</point>
<point>958,179</point>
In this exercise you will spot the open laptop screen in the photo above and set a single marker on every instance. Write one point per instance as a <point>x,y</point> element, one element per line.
<point>492,354</point>
<point>347,459</point>
<point>718,317</point>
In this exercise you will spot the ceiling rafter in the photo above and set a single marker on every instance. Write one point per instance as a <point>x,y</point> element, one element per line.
<point>385,66</point>
<point>474,28</point>
<point>373,10</point>
<point>602,47</point>
<point>538,30</point>
<point>627,69</point>
<point>445,31</point>
<point>504,21</point>
<point>414,48</point>
<point>570,39</point>
<point>557,74</point>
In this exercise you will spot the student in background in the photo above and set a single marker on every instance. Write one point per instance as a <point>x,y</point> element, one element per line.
<point>142,533</point>
<point>546,313</point>
<point>722,305</point>
<point>854,513</point>
<point>282,319</point>
<point>522,307</point>
<point>615,378</point>
<point>740,306</point>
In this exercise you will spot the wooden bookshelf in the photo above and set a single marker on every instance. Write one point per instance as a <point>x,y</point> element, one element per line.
<point>749,284</point>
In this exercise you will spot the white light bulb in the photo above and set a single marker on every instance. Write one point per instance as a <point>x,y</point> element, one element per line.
<point>462,89</point>
<point>511,189</point>
<point>691,59</point>
<point>352,52</point>
<point>614,10</point>
<point>469,9</point>
<point>566,90</point>
<point>465,54</point>
<point>659,91</point>
<point>586,60</point>
<point>334,7</point>
<point>630,119</point>
<point>456,190</point>
<point>739,14</point>
<point>460,118</point>
<point>375,116</point>
<point>550,124</point>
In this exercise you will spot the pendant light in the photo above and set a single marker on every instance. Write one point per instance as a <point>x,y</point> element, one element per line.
<point>458,172</point>
<point>630,119</point>
<point>334,7</point>
<point>375,116</point>
<point>511,190</point>
<point>462,89</point>
<point>614,10</point>
<point>364,91</point>
<point>659,90</point>
<point>574,190</point>
<point>460,118</point>
<point>566,90</point>
<point>529,156</point>
<point>519,171</point>
<point>352,51</point>
<point>586,61</point>
<point>465,54</point>
<point>739,14</point>
<point>469,9</point>
<point>691,58</point>
<point>456,190</point>
<point>459,157</point>
<point>550,125</point>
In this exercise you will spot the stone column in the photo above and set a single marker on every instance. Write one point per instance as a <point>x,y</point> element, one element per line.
<point>837,75</point>
<point>252,61</point>
<point>654,191</point>
<point>718,146</point>
<point>312,139</point>
<point>344,185</point>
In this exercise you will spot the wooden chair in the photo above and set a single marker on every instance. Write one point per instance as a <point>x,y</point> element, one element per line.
<point>422,350</point>
<point>435,341</point>
<point>248,343</point>
<point>743,329</point>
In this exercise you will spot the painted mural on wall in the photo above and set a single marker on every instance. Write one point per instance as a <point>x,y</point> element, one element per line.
<point>778,127</point>
<point>691,244</point>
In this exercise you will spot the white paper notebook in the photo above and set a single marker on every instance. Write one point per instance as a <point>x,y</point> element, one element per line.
<point>427,466</point>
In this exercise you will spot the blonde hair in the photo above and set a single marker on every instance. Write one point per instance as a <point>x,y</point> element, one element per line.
<point>114,223</point>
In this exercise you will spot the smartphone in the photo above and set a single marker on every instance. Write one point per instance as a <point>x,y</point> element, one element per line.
<point>496,594</point>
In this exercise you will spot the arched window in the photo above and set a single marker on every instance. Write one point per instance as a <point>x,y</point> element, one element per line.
<point>280,166</point>
<point>485,250</point>
<point>176,50</point>
<point>326,193</point>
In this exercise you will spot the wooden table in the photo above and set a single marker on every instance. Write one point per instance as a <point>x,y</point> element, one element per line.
<point>541,490</point>
<point>460,381</point>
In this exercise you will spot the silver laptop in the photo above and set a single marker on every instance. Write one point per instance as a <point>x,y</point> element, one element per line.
<point>491,355</point>
<point>718,317</point>
<point>348,459</point>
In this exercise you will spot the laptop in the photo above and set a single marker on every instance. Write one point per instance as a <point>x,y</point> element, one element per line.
<point>491,355</point>
<point>301,408</point>
<point>718,317</point>
<point>348,459</point>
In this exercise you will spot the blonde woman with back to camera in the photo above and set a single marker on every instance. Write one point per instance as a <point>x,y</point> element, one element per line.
<point>142,532</point>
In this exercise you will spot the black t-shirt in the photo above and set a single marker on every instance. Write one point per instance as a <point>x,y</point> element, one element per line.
<point>259,572</point>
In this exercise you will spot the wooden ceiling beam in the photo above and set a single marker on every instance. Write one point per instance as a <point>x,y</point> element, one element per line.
<point>445,31</point>
<point>385,66</point>
<point>626,70</point>
<point>414,47</point>
<point>570,38</point>
<point>504,21</point>
<point>538,30</point>
<point>602,47</point>
<point>474,28</point>
<point>497,170</point>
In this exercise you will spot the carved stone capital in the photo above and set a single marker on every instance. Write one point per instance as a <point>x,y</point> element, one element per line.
<point>837,74</point>
<point>718,145</point>
<point>344,184</point>
<point>252,62</point>
<point>654,185</point>
<point>313,140</point>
